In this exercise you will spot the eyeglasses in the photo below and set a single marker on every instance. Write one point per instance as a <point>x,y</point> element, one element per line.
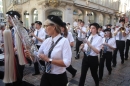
<point>107,32</point>
<point>48,25</point>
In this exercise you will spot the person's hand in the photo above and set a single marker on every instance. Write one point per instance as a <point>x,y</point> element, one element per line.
<point>32,34</point>
<point>27,53</point>
<point>105,44</point>
<point>44,57</point>
<point>15,49</point>
<point>2,44</point>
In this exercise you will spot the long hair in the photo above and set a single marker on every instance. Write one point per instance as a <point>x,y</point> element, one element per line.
<point>65,31</point>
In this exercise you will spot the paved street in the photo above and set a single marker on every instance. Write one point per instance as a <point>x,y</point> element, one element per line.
<point>120,75</point>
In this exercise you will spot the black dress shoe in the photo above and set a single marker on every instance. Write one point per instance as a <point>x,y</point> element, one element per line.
<point>74,74</point>
<point>100,79</point>
<point>113,65</point>
<point>35,74</point>
<point>126,58</point>
<point>109,72</point>
<point>122,62</point>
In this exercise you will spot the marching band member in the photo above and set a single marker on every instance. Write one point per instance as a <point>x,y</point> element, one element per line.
<point>91,48</point>
<point>56,52</point>
<point>100,32</point>
<point>127,43</point>
<point>19,67</point>
<point>109,44</point>
<point>69,36</point>
<point>38,37</point>
<point>120,35</point>
<point>81,30</point>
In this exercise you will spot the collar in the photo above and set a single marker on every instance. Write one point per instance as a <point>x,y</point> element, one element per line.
<point>39,29</point>
<point>56,38</point>
<point>94,35</point>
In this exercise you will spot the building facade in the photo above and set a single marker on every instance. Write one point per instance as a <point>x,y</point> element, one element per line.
<point>100,11</point>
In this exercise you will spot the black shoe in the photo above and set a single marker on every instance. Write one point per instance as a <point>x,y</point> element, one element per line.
<point>109,72</point>
<point>100,79</point>
<point>122,62</point>
<point>126,58</point>
<point>74,74</point>
<point>35,74</point>
<point>113,65</point>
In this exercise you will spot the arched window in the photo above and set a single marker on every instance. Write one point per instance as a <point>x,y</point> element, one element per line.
<point>26,19</point>
<point>101,19</point>
<point>77,14</point>
<point>108,20</point>
<point>91,17</point>
<point>35,15</point>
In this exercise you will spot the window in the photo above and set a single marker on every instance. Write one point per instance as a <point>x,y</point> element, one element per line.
<point>35,15</point>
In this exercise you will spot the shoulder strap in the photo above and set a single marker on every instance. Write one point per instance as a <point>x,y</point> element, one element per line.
<point>54,46</point>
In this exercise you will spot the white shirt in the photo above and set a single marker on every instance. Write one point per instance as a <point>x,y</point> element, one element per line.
<point>70,37</point>
<point>96,42</point>
<point>81,35</point>
<point>111,42</point>
<point>1,37</point>
<point>41,35</point>
<point>101,34</point>
<point>117,36</point>
<point>75,24</point>
<point>128,36</point>
<point>62,51</point>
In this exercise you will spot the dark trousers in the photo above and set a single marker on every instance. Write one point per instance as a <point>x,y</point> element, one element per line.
<point>92,63</point>
<point>54,79</point>
<point>78,43</point>
<point>20,69</point>
<point>120,46</point>
<point>108,57</point>
<point>36,65</point>
<point>127,48</point>
<point>71,69</point>
<point>1,75</point>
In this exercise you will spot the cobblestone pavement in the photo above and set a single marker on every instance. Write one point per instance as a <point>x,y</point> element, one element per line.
<point>120,74</point>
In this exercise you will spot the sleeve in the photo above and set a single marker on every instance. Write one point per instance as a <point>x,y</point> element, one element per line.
<point>43,35</point>
<point>71,39</point>
<point>113,44</point>
<point>99,44</point>
<point>85,29</point>
<point>127,30</point>
<point>67,53</point>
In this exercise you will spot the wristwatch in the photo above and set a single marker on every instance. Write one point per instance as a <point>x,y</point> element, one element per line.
<point>50,60</point>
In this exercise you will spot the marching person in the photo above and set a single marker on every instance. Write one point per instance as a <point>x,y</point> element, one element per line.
<point>68,35</point>
<point>19,67</point>
<point>120,35</point>
<point>127,43</point>
<point>100,32</point>
<point>109,44</point>
<point>38,37</point>
<point>81,30</point>
<point>56,52</point>
<point>91,48</point>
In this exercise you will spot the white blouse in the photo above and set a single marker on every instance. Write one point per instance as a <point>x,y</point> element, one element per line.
<point>70,37</point>
<point>62,51</point>
<point>96,42</point>
<point>111,42</point>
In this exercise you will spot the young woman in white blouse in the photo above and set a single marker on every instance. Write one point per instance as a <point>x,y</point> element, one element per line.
<point>68,35</point>
<point>91,48</point>
<point>109,44</point>
<point>56,52</point>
